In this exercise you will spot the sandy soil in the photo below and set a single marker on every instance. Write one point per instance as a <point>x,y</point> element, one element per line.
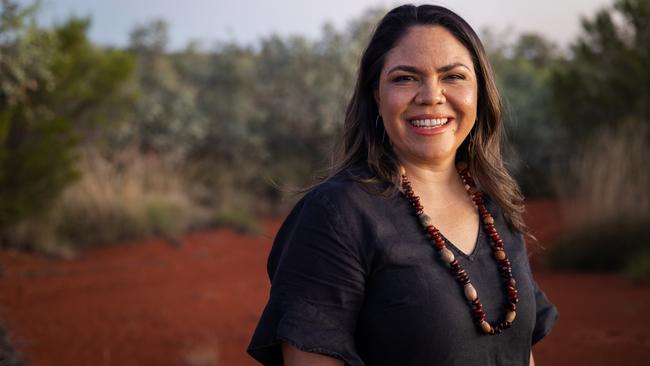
<point>150,303</point>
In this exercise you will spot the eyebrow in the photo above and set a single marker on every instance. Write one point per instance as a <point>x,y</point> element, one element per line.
<point>415,70</point>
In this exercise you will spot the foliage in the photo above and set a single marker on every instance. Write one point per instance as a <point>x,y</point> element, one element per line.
<point>231,128</point>
<point>523,68</point>
<point>57,90</point>
<point>130,197</point>
<point>243,222</point>
<point>609,192</point>
<point>9,356</point>
<point>607,79</point>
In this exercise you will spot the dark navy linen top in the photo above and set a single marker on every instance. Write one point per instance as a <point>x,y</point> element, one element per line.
<point>355,277</point>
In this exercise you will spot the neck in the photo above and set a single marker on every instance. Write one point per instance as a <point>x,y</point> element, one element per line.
<point>441,174</point>
<point>436,183</point>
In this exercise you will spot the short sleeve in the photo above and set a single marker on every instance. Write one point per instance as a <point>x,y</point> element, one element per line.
<point>317,286</point>
<point>546,315</point>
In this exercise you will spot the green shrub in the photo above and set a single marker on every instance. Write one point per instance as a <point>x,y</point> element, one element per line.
<point>608,189</point>
<point>609,246</point>
<point>241,221</point>
<point>56,89</point>
<point>9,356</point>
<point>637,268</point>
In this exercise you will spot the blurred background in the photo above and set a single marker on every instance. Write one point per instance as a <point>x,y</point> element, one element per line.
<point>148,151</point>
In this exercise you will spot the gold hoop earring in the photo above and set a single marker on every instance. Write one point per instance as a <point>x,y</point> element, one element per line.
<point>471,145</point>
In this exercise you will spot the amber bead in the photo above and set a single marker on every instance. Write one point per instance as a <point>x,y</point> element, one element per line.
<point>513,298</point>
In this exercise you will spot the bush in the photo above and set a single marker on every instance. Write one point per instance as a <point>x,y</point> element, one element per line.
<point>242,221</point>
<point>638,267</point>
<point>606,246</point>
<point>608,189</point>
<point>56,89</point>
<point>115,201</point>
<point>9,356</point>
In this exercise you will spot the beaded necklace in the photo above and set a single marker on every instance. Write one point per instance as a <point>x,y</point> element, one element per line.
<point>457,270</point>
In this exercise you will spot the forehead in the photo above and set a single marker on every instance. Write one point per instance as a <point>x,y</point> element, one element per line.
<point>428,47</point>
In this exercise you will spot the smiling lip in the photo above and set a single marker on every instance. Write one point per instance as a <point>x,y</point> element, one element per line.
<point>429,124</point>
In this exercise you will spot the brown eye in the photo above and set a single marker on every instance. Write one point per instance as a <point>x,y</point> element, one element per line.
<point>455,77</point>
<point>403,78</point>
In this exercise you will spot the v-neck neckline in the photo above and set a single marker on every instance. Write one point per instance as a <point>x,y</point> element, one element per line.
<point>470,256</point>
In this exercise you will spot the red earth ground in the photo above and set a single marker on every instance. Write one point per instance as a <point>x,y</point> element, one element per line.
<point>149,303</point>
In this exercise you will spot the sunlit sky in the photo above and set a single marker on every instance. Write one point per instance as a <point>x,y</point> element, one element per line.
<point>246,21</point>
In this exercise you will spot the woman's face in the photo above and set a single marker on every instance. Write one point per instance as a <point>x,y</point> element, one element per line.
<point>427,95</point>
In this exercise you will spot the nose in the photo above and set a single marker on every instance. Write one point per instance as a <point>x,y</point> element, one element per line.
<point>430,92</point>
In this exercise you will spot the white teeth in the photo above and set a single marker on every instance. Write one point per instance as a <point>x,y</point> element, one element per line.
<point>428,122</point>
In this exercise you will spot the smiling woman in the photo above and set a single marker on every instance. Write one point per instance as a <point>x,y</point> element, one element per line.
<point>364,271</point>
<point>427,95</point>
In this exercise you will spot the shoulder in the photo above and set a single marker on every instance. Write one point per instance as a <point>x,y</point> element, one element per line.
<point>332,216</point>
<point>344,193</point>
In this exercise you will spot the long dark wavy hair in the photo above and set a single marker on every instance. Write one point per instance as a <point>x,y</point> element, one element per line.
<point>364,139</point>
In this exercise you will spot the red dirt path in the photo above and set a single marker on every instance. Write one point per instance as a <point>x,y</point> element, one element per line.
<point>149,303</point>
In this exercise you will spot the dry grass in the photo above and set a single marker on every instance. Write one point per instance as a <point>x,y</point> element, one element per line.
<point>126,197</point>
<point>610,204</point>
<point>133,196</point>
<point>611,176</point>
<point>130,196</point>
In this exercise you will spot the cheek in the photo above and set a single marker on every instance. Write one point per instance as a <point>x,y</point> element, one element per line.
<point>393,102</point>
<point>464,98</point>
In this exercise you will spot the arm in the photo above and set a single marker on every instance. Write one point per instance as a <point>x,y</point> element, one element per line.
<point>532,361</point>
<point>295,357</point>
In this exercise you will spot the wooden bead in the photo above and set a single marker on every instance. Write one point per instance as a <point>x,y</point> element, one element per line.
<point>425,220</point>
<point>446,255</point>
<point>486,327</point>
<point>505,267</point>
<point>470,292</point>
<point>499,255</point>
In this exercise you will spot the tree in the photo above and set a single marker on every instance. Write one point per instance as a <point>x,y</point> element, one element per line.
<point>56,90</point>
<point>522,68</point>
<point>607,79</point>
